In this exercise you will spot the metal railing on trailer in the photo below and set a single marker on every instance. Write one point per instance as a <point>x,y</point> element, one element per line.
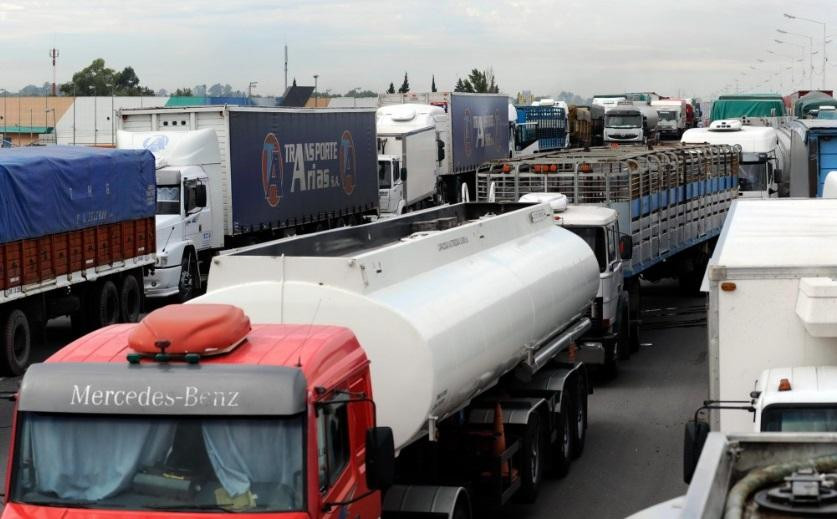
<point>668,198</point>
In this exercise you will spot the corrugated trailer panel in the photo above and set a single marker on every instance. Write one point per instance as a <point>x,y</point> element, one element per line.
<point>293,167</point>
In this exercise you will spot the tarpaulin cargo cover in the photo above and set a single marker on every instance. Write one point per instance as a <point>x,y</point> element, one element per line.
<point>54,189</point>
<point>752,107</point>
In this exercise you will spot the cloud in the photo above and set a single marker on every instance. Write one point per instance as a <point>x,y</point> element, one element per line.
<point>541,45</point>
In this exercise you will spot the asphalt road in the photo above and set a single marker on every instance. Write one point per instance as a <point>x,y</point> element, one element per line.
<point>633,455</point>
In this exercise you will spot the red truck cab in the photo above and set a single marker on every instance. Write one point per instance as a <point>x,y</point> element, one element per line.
<point>194,413</point>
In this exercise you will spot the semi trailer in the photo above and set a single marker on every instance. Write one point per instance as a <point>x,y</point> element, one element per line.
<point>671,202</point>
<point>249,175</point>
<point>540,128</point>
<point>475,130</point>
<point>76,236</point>
<point>771,373</point>
<point>403,368</point>
<point>410,156</point>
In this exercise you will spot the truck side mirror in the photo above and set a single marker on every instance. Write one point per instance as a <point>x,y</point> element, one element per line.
<point>777,176</point>
<point>695,437</point>
<point>440,150</point>
<point>380,458</point>
<point>403,174</point>
<point>200,195</point>
<point>626,247</point>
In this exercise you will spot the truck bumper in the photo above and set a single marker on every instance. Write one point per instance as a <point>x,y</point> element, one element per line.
<point>162,282</point>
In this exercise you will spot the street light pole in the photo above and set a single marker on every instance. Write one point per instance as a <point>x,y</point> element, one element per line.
<point>316,99</point>
<point>824,38</point>
<point>811,53</point>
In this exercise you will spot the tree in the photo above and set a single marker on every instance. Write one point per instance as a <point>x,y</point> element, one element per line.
<point>183,92</point>
<point>357,92</point>
<point>97,79</point>
<point>405,85</point>
<point>216,90</point>
<point>479,81</point>
<point>199,90</point>
<point>294,83</point>
<point>433,84</point>
<point>391,89</point>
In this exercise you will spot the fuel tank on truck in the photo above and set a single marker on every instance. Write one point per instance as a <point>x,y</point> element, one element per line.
<point>444,301</point>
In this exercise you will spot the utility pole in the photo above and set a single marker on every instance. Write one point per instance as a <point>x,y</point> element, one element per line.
<point>316,100</point>
<point>286,67</point>
<point>53,53</point>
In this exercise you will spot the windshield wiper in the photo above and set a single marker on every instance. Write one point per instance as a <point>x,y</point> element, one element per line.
<point>70,504</point>
<point>220,508</point>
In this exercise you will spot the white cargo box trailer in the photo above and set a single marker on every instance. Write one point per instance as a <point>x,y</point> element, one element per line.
<point>772,284</point>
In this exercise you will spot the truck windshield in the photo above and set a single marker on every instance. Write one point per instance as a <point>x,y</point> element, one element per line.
<point>799,419</point>
<point>623,121</point>
<point>384,174</point>
<point>159,462</point>
<point>168,199</point>
<point>752,176</point>
<point>595,238</point>
<point>667,115</point>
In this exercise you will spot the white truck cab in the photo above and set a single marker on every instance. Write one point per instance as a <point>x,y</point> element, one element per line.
<point>799,399</point>
<point>761,163</point>
<point>189,216</point>
<point>599,227</point>
<point>410,155</point>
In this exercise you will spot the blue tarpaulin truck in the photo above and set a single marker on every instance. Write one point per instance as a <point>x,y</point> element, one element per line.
<point>230,176</point>
<point>76,235</point>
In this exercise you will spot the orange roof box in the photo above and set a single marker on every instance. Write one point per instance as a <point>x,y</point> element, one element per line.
<point>181,329</point>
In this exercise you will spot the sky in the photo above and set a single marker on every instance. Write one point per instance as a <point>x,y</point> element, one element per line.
<point>687,47</point>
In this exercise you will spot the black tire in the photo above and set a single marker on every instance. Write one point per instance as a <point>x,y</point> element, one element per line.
<point>17,342</point>
<point>531,465</point>
<point>623,339</point>
<point>106,306</point>
<point>580,411</point>
<point>130,299</point>
<point>189,283</point>
<point>562,451</point>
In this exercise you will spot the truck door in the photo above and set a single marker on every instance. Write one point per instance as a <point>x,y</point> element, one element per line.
<point>340,442</point>
<point>198,218</point>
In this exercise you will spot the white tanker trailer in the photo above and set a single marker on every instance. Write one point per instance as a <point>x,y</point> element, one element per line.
<point>434,335</point>
<point>460,309</point>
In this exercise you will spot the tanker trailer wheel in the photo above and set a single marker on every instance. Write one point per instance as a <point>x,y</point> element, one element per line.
<point>623,339</point>
<point>531,466</point>
<point>580,411</point>
<point>17,342</point>
<point>563,449</point>
<point>130,299</point>
<point>187,288</point>
<point>106,305</point>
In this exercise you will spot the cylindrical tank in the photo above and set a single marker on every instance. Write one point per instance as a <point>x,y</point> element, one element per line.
<point>441,315</point>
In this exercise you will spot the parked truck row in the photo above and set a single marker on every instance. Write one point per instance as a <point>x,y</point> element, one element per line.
<point>276,393</point>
